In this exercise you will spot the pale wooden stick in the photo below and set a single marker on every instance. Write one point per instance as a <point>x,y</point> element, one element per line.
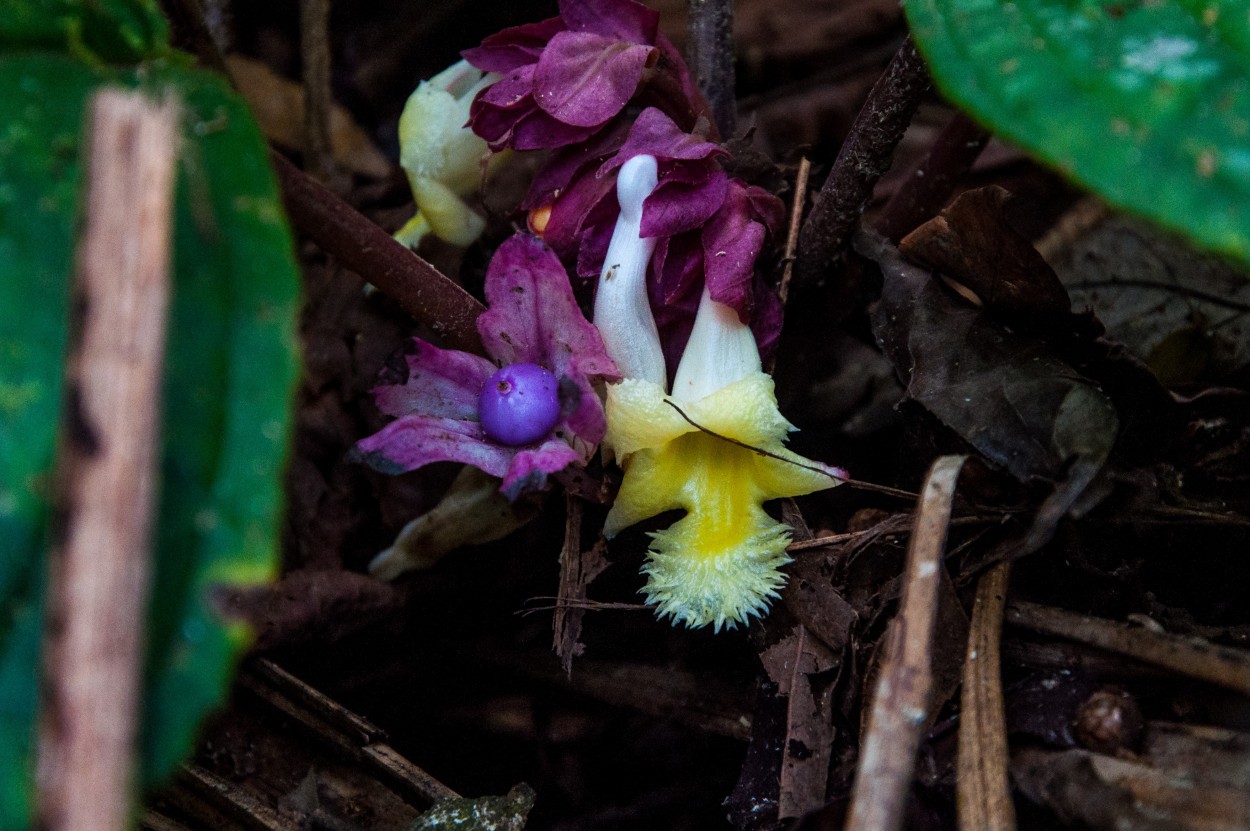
<point>900,705</point>
<point>982,787</point>
<point>107,469</point>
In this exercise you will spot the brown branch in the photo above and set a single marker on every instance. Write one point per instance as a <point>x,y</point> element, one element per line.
<point>343,232</point>
<point>314,29</point>
<point>792,234</point>
<point>864,157</point>
<point>710,52</point>
<point>1192,657</point>
<point>900,705</point>
<point>107,468</point>
<point>982,788</point>
<point>934,179</point>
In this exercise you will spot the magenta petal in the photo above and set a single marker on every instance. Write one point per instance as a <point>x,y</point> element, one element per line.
<point>585,78</point>
<point>731,243</point>
<point>510,91</point>
<point>537,130</point>
<point>530,467</point>
<point>621,19</point>
<point>766,318</point>
<point>440,383</point>
<point>414,441</point>
<point>655,134</point>
<point>570,211</point>
<point>505,51</point>
<point>533,316</point>
<point>570,161</point>
<point>680,206</point>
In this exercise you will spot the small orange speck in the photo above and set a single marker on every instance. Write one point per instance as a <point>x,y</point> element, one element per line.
<point>538,219</point>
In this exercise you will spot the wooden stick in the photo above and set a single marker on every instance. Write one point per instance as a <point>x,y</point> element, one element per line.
<point>982,788</point>
<point>107,468</point>
<point>710,50</point>
<point>864,156</point>
<point>1193,657</point>
<point>900,705</point>
<point>360,245</point>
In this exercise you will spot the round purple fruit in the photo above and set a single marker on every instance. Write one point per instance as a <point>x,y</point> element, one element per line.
<point>519,404</point>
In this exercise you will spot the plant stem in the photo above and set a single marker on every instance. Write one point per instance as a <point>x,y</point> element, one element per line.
<point>932,181</point>
<point>343,232</point>
<point>864,156</point>
<point>710,51</point>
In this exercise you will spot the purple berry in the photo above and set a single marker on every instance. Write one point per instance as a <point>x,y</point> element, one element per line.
<point>519,404</point>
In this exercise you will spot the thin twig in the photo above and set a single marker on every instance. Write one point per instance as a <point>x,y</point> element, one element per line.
<point>934,179</point>
<point>107,468</point>
<point>1192,657</point>
<point>418,287</point>
<point>796,220</point>
<point>866,486</point>
<point>900,705</point>
<point>864,156</point>
<point>710,53</point>
<point>982,789</point>
<point>314,29</point>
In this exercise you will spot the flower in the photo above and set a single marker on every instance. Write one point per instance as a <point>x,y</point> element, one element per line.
<point>713,448</point>
<point>564,78</point>
<point>707,227</point>
<point>435,394</point>
<point>442,157</point>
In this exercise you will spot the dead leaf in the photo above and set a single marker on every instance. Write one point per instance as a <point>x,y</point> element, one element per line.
<point>278,105</point>
<point>577,569</point>
<point>1186,314</point>
<point>971,242</point>
<point>1006,394</point>
<point>791,663</point>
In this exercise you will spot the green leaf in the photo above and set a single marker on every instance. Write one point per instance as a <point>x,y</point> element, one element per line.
<point>1146,103</point>
<point>230,370</point>
<point>97,30</point>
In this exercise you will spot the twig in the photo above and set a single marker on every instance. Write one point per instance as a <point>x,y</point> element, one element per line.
<point>982,790</point>
<point>710,52</point>
<point>418,287</point>
<point>1192,657</point>
<point>864,156</point>
<point>933,180</point>
<point>901,701</point>
<point>866,486</point>
<point>314,30</point>
<point>107,468</point>
<point>796,220</point>
<point>340,727</point>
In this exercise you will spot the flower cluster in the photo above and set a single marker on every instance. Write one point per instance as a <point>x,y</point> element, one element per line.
<point>442,158</point>
<point>530,411</point>
<point>566,77</point>
<point>633,190</point>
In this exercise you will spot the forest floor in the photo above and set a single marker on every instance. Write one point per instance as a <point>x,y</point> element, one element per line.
<point>1125,570</point>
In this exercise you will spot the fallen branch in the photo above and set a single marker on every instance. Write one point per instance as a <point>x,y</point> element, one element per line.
<point>900,705</point>
<point>360,245</point>
<point>1192,657</point>
<point>982,789</point>
<point>864,157</point>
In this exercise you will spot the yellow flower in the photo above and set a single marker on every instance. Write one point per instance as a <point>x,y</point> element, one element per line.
<point>713,448</point>
<point>720,564</point>
<point>442,157</point>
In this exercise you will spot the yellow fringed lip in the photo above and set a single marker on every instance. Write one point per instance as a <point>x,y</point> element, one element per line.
<point>720,564</point>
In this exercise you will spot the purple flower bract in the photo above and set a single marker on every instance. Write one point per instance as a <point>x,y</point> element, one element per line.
<point>532,319</point>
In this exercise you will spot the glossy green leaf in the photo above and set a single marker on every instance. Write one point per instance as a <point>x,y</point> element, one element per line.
<point>230,370</point>
<point>1146,103</point>
<point>96,30</point>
